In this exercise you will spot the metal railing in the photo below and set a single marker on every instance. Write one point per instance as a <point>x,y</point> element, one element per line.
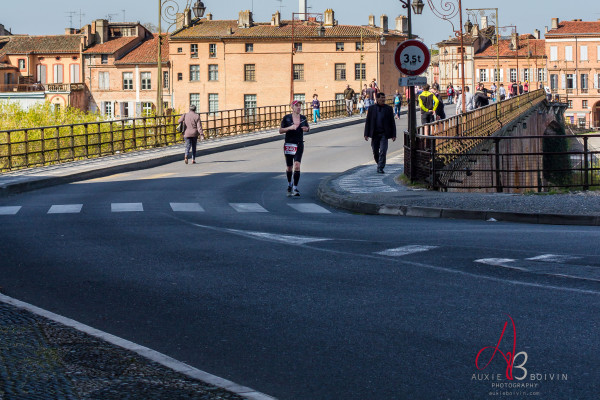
<point>14,87</point>
<point>38,146</point>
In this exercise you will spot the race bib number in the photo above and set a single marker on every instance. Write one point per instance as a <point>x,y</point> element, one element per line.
<point>290,149</point>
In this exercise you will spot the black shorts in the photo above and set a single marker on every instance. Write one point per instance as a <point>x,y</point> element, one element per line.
<point>289,159</point>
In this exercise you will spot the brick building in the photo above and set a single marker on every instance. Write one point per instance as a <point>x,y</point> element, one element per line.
<point>228,64</point>
<point>573,49</point>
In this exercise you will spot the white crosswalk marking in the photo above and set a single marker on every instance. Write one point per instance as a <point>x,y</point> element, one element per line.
<point>309,208</point>
<point>65,209</point>
<point>10,210</point>
<point>404,250</point>
<point>247,207</point>
<point>500,262</point>
<point>186,207</point>
<point>553,258</point>
<point>126,207</point>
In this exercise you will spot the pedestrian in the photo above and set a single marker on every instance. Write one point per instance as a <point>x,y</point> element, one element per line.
<point>316,106</point>
<point>349,97</point>
<point>520,88</point>
<point>363,92</point>
<point>450,93</point>
<point>370,96</point>
<point>428,104</point>
<point>502,92</point>
<point>548,93</point>
<point>397,104</point>
<point>439,111</point>
<point>193,129</point>
<point>526,87</point>
<point>493,90</point>
<point>380,127</point>
<point>293,125</point>
<point>514,89</point>
<point>361,105</point>
<point>480,98</point>
<point>468,101</point>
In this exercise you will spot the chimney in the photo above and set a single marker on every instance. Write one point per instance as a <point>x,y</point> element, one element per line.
<point>276,19</point>
<point>514,41</point>
<point>302,9</point>
<point>371,20</point>
<point>402,24</point>
<point>545,30</point>
<point>245,19</point>
<point>536,33</point>
<point>329,15</point>
<point>179,21</point>
<point>484,22</point>
<point>475,30</point>
<point>209,17</point>
<point>384,23</point>
<point>101,31</point>
<point>187,17</point>
<point>555,23</point>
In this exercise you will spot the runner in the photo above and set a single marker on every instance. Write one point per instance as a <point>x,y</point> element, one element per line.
<point>293,125</point>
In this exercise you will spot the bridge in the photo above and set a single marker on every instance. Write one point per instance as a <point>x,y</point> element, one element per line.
<point>518,145</point>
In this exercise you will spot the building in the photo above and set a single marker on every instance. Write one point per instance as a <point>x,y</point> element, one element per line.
<point>573,49</point>
<point>234,64</point>
<point>3,31</point>
<point>122,69</point>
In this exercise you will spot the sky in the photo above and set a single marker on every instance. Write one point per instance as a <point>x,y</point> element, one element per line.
<point>52,17</point>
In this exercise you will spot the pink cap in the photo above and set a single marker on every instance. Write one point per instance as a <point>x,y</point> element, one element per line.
<point>296,102</point>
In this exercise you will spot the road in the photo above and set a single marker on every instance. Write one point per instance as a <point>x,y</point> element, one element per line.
<point>213,265</point>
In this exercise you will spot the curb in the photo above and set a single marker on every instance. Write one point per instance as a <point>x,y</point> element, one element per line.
<point>34,183</point>
<point>329,195</point>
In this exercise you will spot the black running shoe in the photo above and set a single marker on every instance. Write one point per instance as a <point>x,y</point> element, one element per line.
<point>295,193</point>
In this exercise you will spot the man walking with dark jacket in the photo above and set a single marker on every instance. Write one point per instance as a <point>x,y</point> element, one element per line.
<point>380,127</point>
<point>193,129</point>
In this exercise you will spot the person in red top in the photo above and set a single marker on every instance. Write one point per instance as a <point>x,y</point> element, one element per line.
<point>193,129</point>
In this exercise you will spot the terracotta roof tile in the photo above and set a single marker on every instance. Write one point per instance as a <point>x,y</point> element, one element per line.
<point>147,52</point>
<point>43,44</point>
<point>222,28</point>
<point>7,66</point>
<point>576,27</point>
<point>536,46</point>
<point>111,46</point>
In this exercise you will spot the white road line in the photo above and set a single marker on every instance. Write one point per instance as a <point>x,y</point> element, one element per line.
<point>500,262</point>
<point>404,250</point>
<point>309,208</point>
<point>145,352</point>
<point>126,207</point>
<point>9,210</point>
<point>186,207</point>
<point>291,239</point>
<point>553,258</point>
<point>65,209</point>
<point>247,207</point>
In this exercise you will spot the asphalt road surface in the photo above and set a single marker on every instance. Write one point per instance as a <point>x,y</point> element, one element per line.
<point>213,265</point>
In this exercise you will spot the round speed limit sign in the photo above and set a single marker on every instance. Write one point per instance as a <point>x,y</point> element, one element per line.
<point>412,57</point>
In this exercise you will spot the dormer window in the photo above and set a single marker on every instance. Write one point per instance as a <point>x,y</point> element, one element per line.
<point>104,58</point>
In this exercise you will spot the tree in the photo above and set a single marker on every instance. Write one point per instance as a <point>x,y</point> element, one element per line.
<point>150,27</point>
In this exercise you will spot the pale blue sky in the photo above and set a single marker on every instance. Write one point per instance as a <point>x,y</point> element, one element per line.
<point>40,17</point>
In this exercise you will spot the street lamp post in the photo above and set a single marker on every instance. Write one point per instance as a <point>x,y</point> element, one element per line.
<point>170,8</point>
<point>482,11</point>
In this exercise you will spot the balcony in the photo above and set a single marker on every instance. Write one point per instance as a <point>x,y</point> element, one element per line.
<point>14,87</point>
<point>64,87</point>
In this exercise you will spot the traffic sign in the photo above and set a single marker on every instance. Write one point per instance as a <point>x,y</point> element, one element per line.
<point>412,81</point>
<point>412,57</point>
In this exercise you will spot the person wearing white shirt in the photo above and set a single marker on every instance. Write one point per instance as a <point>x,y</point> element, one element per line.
<point>468,101</point>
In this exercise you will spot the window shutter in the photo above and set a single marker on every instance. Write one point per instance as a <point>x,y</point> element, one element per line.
<point>595,81</point>
<point>501,75</point>
<point>584,54</point>
<point>488,75</point>
<point>574,81</point>
<point>122,110</point>
<point>138,109</point>
<point>563,83</point>
<point>102,108</point>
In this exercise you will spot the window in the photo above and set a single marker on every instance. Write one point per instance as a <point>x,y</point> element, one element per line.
<point>584,104</point>
<point>213,103</point>
<point>570,104</point>
<point>195,100</point>
<point>300,97</point>
<point>125,113</point>
<point>553,53</point>
<point>570,81</point>
<point>298,72</point>
<point>58,73</point>
<point>180,49</point>
<point>360,71</point>
<point>180,76</point>
<point>553,81</point>
<point>165,81</point>
<point>568,53</point>
<point>194,73</point>
<point>103,80</point>
<point>584,81</point>
<point>581,121</point>
<point>513,75</point>
<point>583,53</point>
<point>146,81</point>
<point>340,72</point>
<point>483,75</point>
<point>249,72</point>
<point>360,46</point>
<point>541,75</point>
<point>104,59</point>
<point>21,63</point>
<point>75,73</point>
<point>250,104</point>
<point>213,72</point>
<point>146,109</point>
<point>127,80</point>
<point>496,75</point>
<point>194,50</point>
<point>526,74</point>
<point>212,50</point>
<point>249,47</point>
<point>108,109</point>
<point>339,46</point>
<point>298,47</point>
<point>41,74</point>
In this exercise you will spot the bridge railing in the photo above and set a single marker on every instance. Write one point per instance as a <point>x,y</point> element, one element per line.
<point>36,146</point>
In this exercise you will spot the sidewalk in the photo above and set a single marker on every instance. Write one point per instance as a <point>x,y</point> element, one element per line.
<point>362,190</point>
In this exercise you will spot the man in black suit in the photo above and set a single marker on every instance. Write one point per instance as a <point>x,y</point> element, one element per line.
<point>380,127</point>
